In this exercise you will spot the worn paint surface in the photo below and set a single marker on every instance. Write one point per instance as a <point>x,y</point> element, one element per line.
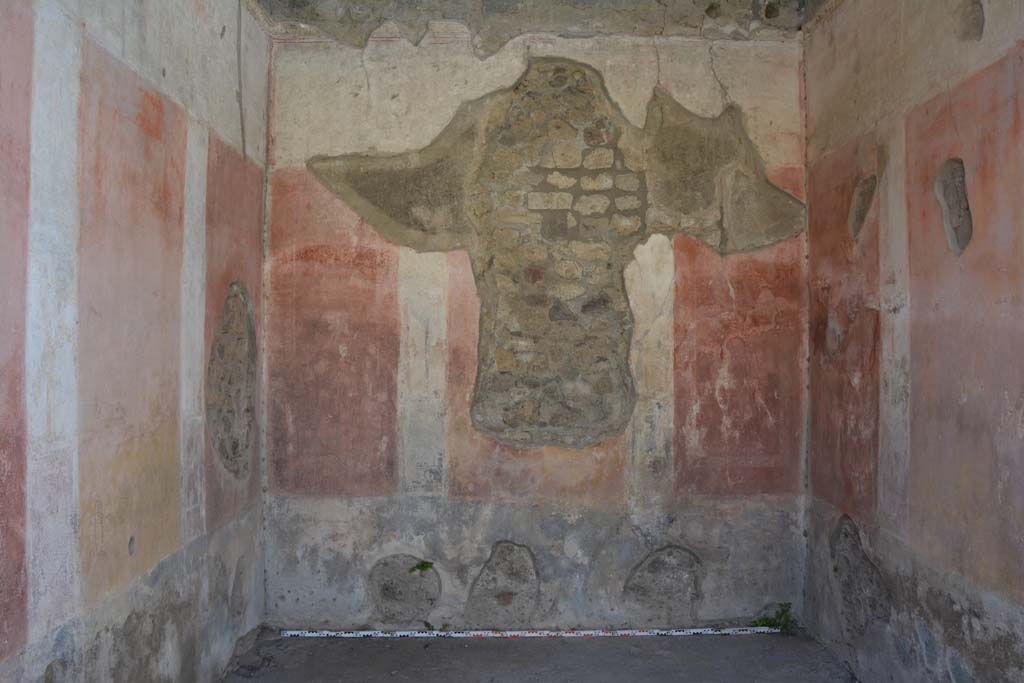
<point>131,184</point>
<point>480,466</point>
<point>845,337</point>
<point>16,44</point>
<point>234,252</point>
<point>739,358</point>
<point>333,356</point>
<point>966,468</point>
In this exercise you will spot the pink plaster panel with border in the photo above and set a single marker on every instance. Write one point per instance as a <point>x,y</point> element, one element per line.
<point>739,369</point>
<point>966,479</point>
<point>333,345</point>
<point>234,252</point>
<point>131,175</point>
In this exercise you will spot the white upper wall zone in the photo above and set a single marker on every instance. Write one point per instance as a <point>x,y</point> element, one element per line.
<point>393,96</point>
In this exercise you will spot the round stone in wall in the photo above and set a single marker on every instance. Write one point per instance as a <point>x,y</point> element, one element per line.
<point>231,383</point>
<point>404,588</point>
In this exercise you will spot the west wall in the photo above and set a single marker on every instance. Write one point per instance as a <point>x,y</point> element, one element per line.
<point>130,202</point>
<point>692,515</point>
<point>916,470</point>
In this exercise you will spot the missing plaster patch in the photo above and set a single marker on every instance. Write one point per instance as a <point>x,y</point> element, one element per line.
<point>951,191</point>
<point>970,20</point>
<point>506,592</point>
<point>231,383</point>
<point>668,582</point>
<point>863,596</point>
<point>404,588</point>
<point>550,189</point>
<point>863,196</point>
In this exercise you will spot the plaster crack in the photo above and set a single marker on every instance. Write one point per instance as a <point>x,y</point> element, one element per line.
<point>366,75</point>
<point>238,93</point>
<point>657,57</point>
<point>726,99</point>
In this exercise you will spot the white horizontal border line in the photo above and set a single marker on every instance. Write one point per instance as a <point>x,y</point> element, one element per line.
<point>615,633</point>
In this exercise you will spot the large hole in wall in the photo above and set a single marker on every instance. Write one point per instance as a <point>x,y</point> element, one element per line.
<point>550,189</point>
<point>951,191</point>
<point>231,383</point>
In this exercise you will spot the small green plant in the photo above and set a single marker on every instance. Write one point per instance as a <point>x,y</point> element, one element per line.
<point>771,10</point>
<point>783,619</point>
<point>445,626</point>
<point>428,626</point>
<point>421,566</point>
<point>713,10</point>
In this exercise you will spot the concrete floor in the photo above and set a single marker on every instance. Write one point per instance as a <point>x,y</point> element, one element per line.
<point>717,659</point>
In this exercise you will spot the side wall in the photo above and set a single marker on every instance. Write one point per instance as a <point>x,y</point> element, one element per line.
<point>692,515</point>
<point>129,551</point>
<point>916,462</point>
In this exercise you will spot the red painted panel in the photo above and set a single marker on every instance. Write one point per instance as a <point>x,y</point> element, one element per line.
<point>333,345</point>
<point>845,341</point>
<point>131,175</point>
<point>966,479</point>
<point>234,252</point>
<point>480,467</point>
<point>739,378</point>
<point>16,32</point>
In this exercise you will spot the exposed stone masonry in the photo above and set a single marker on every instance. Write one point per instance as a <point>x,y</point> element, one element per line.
<point>550,189</point>
<point>231,383</point>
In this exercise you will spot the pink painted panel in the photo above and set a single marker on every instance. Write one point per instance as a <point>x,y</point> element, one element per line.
<point>333,345</point>
<point>845,341</point>
<point>131,170</point>
<point>16,42</point>
<point>234,252</point>
<point>739,369</point>
<point>483,468</point>
<point>966,479</point>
